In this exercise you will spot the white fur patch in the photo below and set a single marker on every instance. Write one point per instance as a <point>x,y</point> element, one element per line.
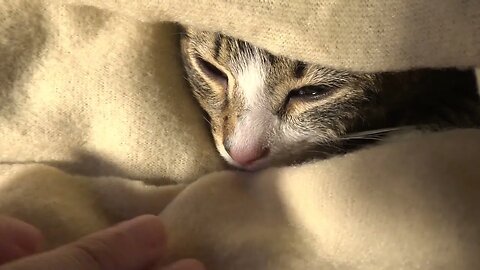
<point>251,82</point>
<point>226,156</point>
<point>251,129</point>
<point>255,119</point>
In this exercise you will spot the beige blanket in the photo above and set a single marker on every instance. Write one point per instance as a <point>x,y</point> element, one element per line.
<point>94,110</point>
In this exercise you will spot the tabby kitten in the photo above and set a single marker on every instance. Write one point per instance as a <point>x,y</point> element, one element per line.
<point>266,109</point>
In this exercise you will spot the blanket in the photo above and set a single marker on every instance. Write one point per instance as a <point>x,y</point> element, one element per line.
<point>98,125</point>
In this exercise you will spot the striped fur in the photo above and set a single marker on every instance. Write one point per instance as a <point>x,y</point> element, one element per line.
<point>253,101</point>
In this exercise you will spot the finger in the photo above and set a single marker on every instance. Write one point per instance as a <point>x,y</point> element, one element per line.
<point>18,239</point>
<point>134,244</point>
<point>185,264</point>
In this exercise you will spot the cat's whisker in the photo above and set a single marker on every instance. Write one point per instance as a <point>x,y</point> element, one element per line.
<point>323,153</point>
<point>361,138</point>
<point>208,121</point>
<point>330,146</point>
<point>379,131</point>
<point>374,133</point>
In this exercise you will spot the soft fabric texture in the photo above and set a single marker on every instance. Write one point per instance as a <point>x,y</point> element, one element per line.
<point>370,35</point>
<point>97,125</point>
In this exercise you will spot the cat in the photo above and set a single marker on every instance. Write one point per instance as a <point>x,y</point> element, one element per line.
<point>269,110</point>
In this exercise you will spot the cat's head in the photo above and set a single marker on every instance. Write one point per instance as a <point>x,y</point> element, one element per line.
<point>266,109</point>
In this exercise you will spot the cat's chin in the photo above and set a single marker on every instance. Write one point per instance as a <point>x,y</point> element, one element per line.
<point>254,166</point>
<point>279,162</point>
<point>262,164</point>
<point>276,160</point>
<point>249,168</point>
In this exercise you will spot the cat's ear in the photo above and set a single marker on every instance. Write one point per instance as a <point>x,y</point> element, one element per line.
<point>211,71</point>
<point>182,30</point>
<point>186,31</point>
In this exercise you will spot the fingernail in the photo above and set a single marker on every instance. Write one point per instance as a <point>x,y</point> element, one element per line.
<point>185,264</point>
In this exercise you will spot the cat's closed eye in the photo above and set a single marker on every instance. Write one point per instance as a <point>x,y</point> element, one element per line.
<point>309,92</point>
<point>211,71</point>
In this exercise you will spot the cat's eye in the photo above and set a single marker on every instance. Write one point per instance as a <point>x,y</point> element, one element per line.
<point>309,92</point>
<point>212,72</point>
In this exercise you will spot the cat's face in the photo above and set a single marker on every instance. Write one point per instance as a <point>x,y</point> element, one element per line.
<point>267,109</point>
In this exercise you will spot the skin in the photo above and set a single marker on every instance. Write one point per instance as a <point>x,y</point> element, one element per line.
<point>134,244</point>
<point>18,239</point>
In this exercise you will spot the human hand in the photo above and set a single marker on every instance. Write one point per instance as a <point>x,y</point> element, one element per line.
<point>18,239</point>
<point>135,244</point>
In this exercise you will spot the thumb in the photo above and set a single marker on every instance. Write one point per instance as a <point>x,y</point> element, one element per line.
<point>133,244</point>
<point>18,239</point>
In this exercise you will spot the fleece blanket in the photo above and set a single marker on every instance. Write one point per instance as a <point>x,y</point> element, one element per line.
<point>97,125</point>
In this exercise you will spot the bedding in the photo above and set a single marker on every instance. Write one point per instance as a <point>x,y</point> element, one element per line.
<point>98,125</point>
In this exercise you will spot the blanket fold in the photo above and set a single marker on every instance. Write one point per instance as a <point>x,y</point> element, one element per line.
<point>369,35</point>
<point>98,125</point>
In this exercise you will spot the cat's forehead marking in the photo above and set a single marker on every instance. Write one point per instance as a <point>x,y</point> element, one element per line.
<point>251,79</point>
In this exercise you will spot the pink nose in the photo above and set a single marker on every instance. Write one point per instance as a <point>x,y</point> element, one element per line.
<point>247,155</point>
